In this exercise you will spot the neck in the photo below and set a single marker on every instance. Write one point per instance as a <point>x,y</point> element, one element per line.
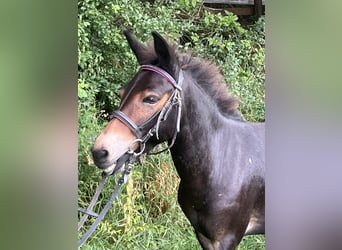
<point>200,119</point>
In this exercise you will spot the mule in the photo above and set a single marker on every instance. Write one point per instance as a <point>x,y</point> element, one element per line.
<point>219,156</point>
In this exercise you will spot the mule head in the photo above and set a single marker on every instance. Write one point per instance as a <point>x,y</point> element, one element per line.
<point>142,99</point>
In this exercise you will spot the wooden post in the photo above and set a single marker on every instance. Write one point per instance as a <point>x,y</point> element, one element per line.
<point>258,7</point>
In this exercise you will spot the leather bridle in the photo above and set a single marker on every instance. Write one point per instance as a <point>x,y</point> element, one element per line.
<point>154,121</point>
<point>128,159</point>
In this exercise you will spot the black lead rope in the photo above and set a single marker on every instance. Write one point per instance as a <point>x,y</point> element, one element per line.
<point>100,216</point>
<point>89,210</point>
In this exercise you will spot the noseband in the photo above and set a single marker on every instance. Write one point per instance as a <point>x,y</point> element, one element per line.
<point>175,99</point>
<point>131,156</point>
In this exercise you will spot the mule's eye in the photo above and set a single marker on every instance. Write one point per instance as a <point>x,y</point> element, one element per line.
<point>151,99</point>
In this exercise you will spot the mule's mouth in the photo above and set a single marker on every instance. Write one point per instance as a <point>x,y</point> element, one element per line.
<point>110,170</point>
<point>117,165</point>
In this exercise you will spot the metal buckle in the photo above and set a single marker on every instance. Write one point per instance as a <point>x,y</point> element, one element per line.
<point>142,147</point>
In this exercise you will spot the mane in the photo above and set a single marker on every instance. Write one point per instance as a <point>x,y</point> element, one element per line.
<point>210,79</point>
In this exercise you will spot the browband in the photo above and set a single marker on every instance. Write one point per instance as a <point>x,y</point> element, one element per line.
<point>162,73</point>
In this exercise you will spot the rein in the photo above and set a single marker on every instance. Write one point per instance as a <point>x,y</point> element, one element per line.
<point>175,99</point>
<point>101,215</point>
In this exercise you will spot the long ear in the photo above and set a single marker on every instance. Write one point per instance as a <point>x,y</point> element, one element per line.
<point>138,48</point>
<point>166,55</point>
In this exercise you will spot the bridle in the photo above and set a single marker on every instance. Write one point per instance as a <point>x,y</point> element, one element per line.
<point>132,154</point>
<point>175,99</point>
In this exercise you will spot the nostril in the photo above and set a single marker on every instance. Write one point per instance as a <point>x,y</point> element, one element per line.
<point>99,155</point>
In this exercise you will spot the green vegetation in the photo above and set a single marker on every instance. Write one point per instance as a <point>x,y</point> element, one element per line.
<point>146,214</point>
